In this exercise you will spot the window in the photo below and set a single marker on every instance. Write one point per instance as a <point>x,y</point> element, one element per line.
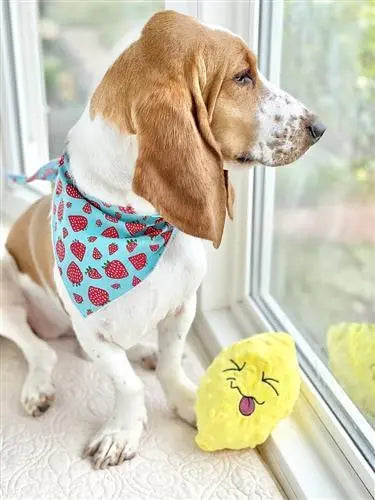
<point>313,244</point>
<point>323,252</point>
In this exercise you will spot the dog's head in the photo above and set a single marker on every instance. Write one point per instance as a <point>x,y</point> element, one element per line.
<point>195,99</point>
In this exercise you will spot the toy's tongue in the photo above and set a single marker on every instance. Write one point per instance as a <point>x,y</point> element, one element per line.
<point>246,406</point>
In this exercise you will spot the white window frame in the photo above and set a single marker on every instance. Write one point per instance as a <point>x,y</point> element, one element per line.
<point>24,108</point>
<point>32,108</point>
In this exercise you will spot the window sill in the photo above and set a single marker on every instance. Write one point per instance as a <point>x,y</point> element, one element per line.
<point>303,452</point>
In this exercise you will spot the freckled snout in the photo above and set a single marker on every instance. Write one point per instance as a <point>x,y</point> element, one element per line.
<point>316,130</point>
<point>285,129</point>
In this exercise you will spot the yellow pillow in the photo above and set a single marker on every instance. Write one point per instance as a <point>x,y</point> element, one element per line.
<point>351,351</point>
<point>248,388</point>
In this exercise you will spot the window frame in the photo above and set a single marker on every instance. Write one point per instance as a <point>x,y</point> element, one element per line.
<point>11,155</point>
<point>32,111</point>
<point>25,140</point>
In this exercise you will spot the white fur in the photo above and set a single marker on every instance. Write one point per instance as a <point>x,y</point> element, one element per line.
<point>282,127</point>
<point>103,162</point>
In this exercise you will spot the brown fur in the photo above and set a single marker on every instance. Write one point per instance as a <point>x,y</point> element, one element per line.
<point>174,88</point>
<point>29,242</point>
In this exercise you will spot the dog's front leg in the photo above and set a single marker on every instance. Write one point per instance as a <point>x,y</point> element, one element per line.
<point>179,389</point>
<point>118,439</point>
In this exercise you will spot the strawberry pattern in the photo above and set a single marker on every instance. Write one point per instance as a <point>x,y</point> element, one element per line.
<point>102,250</point>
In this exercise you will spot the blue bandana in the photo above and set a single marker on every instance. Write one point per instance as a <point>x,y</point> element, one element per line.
<point>102,251</point>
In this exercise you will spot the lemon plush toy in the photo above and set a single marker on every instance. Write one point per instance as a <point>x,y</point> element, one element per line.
<point>351,351</point>
<point>248,388</point>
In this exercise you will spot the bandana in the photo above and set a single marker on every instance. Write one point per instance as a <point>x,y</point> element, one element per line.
<point>102,251</point>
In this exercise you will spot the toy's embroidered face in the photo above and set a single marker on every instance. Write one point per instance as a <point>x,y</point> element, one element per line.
<point>247,390</point>
<point>248,401</point>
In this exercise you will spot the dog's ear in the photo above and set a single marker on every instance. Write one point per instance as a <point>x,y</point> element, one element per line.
<point>164,93</point>
<point>230,195</point>
<point>180,168</point>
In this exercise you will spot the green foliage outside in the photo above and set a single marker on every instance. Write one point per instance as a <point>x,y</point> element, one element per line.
<point>329,64</point>
<point>75,35</point>
<point>110,19</point>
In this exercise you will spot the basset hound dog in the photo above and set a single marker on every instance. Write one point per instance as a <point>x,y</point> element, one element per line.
<point>175,108</point>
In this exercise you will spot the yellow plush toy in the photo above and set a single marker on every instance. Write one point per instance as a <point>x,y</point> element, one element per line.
<point>351,351</point>
<point>248,388</point>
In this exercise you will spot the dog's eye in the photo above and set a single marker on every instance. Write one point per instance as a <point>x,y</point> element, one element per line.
<point>244,78</point>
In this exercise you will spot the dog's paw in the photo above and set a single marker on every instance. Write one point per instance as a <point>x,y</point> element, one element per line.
<point>113,447</point>
<point>38,392</point>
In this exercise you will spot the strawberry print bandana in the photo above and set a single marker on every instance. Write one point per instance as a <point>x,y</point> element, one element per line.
<point>102,251</point>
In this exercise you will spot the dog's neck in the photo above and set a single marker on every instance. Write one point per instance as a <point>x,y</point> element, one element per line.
<point>102,161</point>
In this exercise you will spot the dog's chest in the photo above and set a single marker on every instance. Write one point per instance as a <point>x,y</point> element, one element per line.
<point>130,317</point>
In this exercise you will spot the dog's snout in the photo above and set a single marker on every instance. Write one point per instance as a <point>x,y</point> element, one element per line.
<point>316,130</point>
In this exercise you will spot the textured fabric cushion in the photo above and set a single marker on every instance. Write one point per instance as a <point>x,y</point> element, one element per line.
<point>41,457</point>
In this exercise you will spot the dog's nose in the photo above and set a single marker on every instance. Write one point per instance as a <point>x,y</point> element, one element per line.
<point>316,130</point>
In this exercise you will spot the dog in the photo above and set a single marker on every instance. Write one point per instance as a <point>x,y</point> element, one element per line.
<point>174,106</point>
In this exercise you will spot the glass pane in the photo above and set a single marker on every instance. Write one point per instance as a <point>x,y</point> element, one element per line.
<point>323,260</point>
<point>77,40</point>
